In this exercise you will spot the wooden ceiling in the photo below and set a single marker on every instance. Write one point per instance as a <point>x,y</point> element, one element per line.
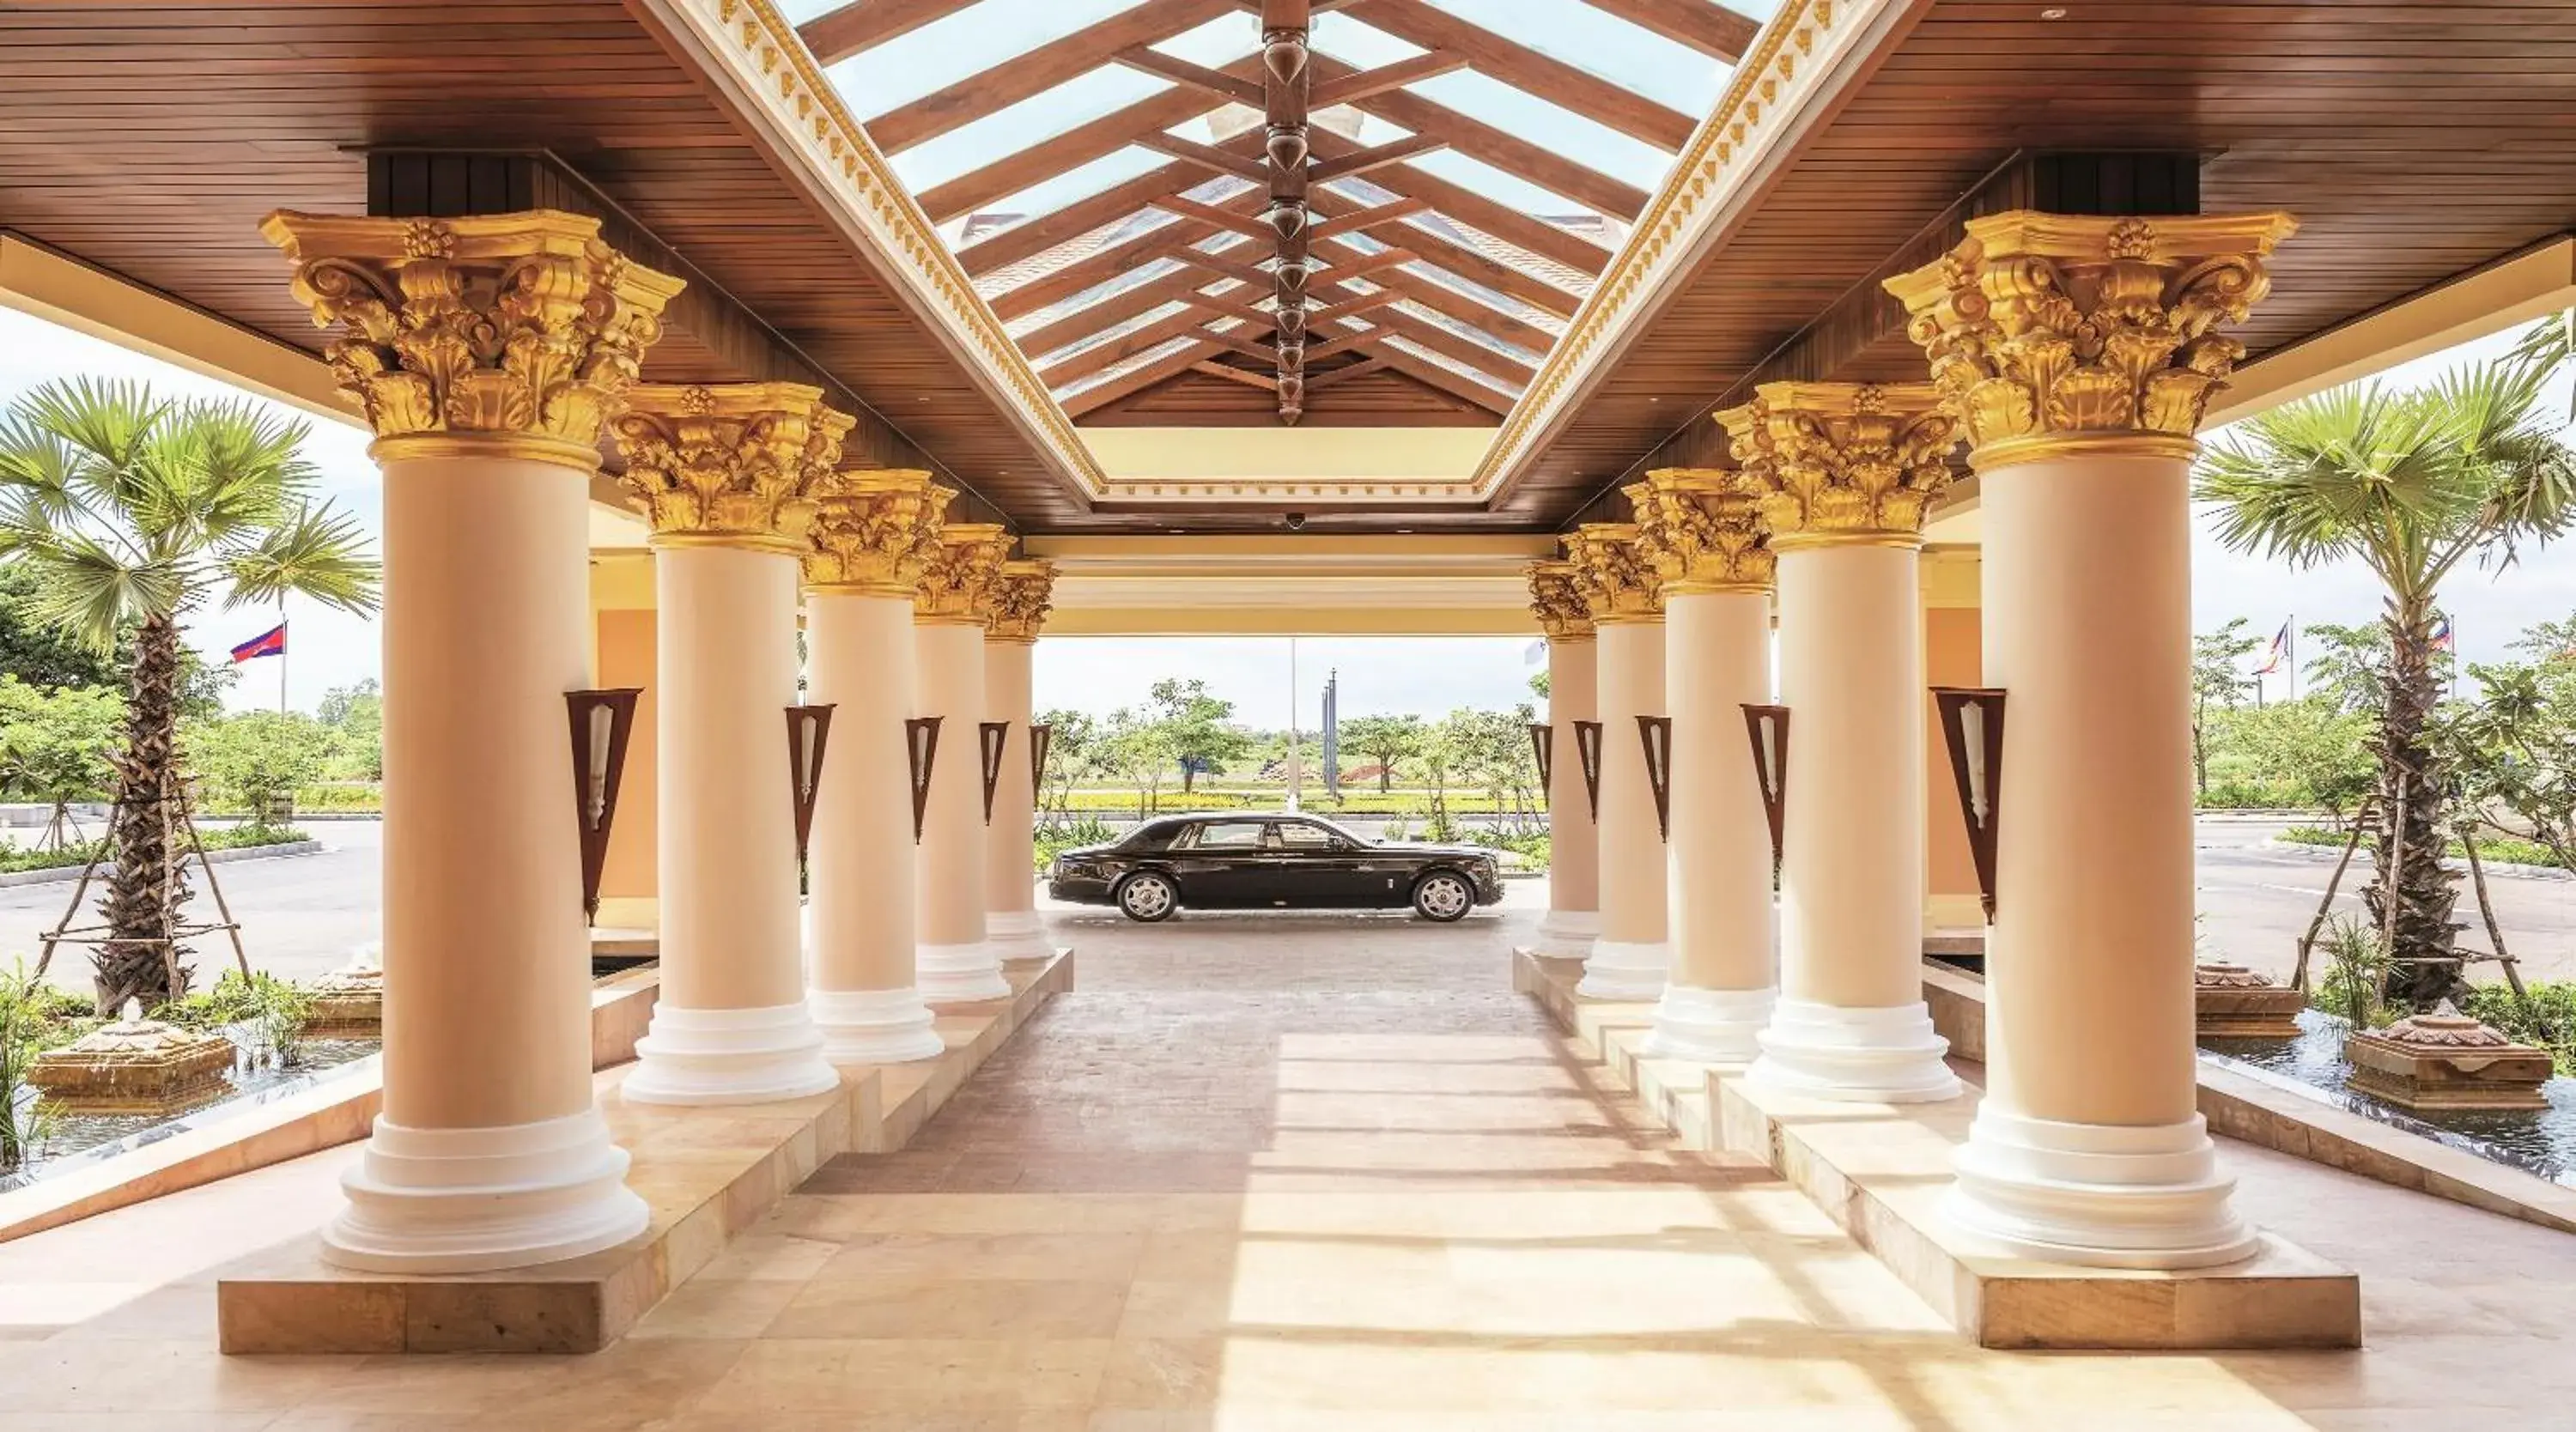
<point>1292,260</point>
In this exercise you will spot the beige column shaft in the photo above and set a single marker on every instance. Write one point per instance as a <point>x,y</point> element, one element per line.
<point>954,963</point>
<point>1628,960</point>
<point>2088,612</point>
<point>490,1152</point>
<point>2080,353</point>
<point>486,593</point>
<point>1010,873</point>
<point>859,661</point>
<point>1718,660</point>
<point>1574,849</point>
<point>1851,929</point>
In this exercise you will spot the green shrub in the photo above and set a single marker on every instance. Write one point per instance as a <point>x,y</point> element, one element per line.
<point>1055,839</point>
<point>2356,974</point>
<point>2545,1017</point>
<point>2490,847</point>
<point>1532,846</point>
<point>270,1010</point>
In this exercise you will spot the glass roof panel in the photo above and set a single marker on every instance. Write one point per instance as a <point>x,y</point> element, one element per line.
<point>1587,142</point>
<point>1597,41</point>
<point>999,135</point>
<point>952,47</point>
<point>1049,195</point>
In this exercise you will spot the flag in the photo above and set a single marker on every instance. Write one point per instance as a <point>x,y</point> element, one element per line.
<point>2280,652</point>
<point>271,642</point>
<point>1535,653</point>
<point>2441,634</point>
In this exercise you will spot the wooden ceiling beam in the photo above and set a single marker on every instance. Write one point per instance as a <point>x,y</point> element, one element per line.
<point>1368,84</point>
<point>1245,376</point>
<point>1507,152</point>
<point>1206,156</point>
<point>1028,240</point>
<point>1362,161</point>
<point>1710,28</point>
<point>1147,60</point>
<point>1125,256</point>
<point>1440,298</point>
<point>1481,269</point>
<point>1339,343</point>
<point>1509,372</point>
<point>1457,385</point>
<point>1523,68</point>
<point>1111,352</point>
<point>1330,376</point>
<point>1232,268</point>
<point>1062,153</point>
<point>1244,224</point>
<point>1343,266</point>
<point>1074,327</point>
<point>1362,220</point>
<point>862,25</point>
<point>1100,395</point>
<point>1020,77</point>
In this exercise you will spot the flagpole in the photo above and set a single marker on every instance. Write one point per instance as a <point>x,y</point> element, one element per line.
<point>281,653</point>
<point>2293,674</point>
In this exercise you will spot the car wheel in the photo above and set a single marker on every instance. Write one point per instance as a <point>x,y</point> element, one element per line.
<point>1147,897</point>
<point>1443,896</point>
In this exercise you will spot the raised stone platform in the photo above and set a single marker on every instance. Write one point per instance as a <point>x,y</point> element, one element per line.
<point>708,1173</point>
<point>1880,1170</point>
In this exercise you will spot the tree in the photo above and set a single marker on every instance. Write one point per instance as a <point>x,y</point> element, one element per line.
<point>2217,679</point>
<point>2515,749</point>
<point>259,759</point>
<point>43,654</point>
<point>130,510</point>
<point>1139,752</point>
<point>1194,727</point>
<point>356,718</point>
<point>1073,751</point>
<point>1539,685</point>
<point>2312,746</point>
<point>2412,485</point>
<point>1386,740</point>
<point>54,747</point>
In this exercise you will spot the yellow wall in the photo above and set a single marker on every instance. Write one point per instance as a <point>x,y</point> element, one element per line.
<point>1953,655</point>
<point>621,599</point>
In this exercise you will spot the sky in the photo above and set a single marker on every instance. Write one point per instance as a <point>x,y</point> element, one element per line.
<point>1423,676</point>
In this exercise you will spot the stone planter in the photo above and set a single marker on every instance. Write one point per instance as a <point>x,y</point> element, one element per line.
<point>2446,1060</point>
<point>2233,1002</point>
<point>135,1066</point>
<point>349,1003</point>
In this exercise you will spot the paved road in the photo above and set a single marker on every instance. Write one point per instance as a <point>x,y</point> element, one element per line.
<point>302,916</point>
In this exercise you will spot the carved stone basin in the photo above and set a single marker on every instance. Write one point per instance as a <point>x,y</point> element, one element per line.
<point>135,1066</point>
<point>349,1001</point>
<point>2233,1002</point>
<point>2446,1060</point>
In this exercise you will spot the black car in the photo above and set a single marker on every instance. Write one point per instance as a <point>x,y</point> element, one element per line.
<point>1262,862</point>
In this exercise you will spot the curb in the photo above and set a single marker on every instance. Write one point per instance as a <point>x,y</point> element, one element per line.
<point>64,874</point>
<point>2449,862</point>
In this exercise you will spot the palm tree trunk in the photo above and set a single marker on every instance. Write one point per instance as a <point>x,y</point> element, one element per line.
<point>2413,791</point>
<point>141,906</point>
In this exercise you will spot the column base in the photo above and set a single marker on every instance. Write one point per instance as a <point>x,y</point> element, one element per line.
<point>1567,934</point>
<point>1711,1026</point>
<point>729,1056</point>
<point>476,1200</point>
<point>1879,1056</point>
<point>959,974</point>
<point>1017,935</point>
<point>2100,1195</point>
<point>874,1026</point>
<point>1625,969</point>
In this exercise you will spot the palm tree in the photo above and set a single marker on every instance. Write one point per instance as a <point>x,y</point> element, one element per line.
<point>131,511</point>
<point>2411,484</point>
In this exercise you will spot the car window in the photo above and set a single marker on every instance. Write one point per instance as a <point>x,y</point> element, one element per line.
<point>1298,835</point>
<point>1228,835</point>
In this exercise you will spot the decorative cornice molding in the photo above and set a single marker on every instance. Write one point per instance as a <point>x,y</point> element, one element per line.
<point>1786,66</point>
<point>2049,332</point>
<point>1556,595</point>
<point>958,572</point>
<point>1019,601</point>
<point>730,463</point>
<point>1616,573</point>
<point>872,528</point>
<point>1843,462</point>
<point>522,330</point>
<point>1703,531</point>
<point>761,48</point>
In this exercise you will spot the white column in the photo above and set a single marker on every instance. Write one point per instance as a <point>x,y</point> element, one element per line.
<point>953,960</point>
<point>1718,660</point>
<point>2089,1147</point>
<point>490,1152</point>
<point>1011,921</point>
<point>1629,959</point>
<point>731,1025</point>
<point>863,995</point>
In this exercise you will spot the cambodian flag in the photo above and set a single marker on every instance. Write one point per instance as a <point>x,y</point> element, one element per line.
<point>2280,649</point>
<point>2441,634</point>
<point>271,642</point>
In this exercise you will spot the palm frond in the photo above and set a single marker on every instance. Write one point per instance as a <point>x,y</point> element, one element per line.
<point>90,592</point>
<point>36,472</point>
<point>316,552</point>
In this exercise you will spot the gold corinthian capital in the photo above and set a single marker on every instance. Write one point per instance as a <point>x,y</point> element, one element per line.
<point>504,334</point>
<point>958,573</point>
<point>1556,595</point>
<point>1702,530</point>
<point>1851,463</point>
<point>1020,599</point>
<point>871,529</point>
<point>729,464</point>
<point>1616,573</point>
<point>2050,332</point>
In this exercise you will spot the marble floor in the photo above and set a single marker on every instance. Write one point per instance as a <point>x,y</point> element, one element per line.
<point>1273,1174</point>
